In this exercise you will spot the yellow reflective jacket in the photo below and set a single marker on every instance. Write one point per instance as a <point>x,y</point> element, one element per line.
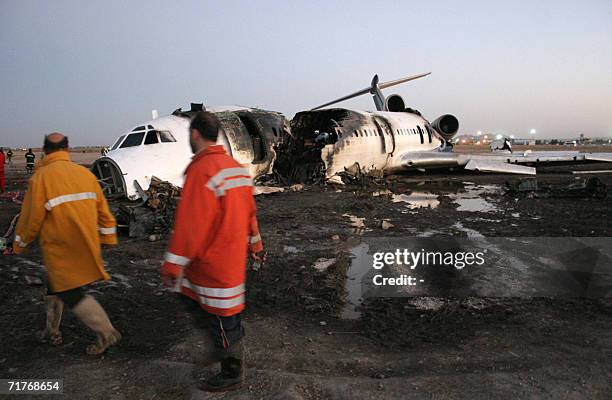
<point>64,203</point>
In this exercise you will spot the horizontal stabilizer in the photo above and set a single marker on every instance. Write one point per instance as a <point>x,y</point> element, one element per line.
<point>605,157</point>
<point>493,166</point>
<point>373,88</point>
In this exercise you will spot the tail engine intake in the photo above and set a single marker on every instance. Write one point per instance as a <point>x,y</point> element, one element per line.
<point>395,103</point>
<point>447,126</point>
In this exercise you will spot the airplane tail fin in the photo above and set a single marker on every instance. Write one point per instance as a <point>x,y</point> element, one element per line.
<point>374,88</point>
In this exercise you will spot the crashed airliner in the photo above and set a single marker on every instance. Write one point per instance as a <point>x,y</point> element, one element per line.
<point>325,142</point>
<point>315,146</point>
<point>160,147</point>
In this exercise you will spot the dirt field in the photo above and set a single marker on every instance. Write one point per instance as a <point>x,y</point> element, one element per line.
<point>298,346</point>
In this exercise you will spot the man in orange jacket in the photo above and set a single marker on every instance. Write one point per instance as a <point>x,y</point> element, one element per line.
<point>65,205</point>
<point>215,228</point>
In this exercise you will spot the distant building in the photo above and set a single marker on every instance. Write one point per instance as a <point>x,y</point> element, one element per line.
<point>524,142</point>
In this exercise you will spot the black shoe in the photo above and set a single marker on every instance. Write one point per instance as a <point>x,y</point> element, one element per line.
<point>230,377</point>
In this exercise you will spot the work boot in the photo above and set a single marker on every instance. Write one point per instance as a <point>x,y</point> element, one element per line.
<point>232,372</point>
<point>206,359</point>
<point>91,313</point>
<point>51,334</point>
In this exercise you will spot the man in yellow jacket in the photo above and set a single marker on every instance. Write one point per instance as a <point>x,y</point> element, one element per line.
<point>65,205</point>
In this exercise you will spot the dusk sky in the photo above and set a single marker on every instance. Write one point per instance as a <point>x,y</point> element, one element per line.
<point>93,69</point>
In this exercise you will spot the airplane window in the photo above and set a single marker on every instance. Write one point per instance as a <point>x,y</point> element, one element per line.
<point>118,142</point>
<point>151,138</point>
<point>139,128</point>
<point>428,132</point>
<point>166,137</point>
<point>355,133</point>
<point>133,139</point>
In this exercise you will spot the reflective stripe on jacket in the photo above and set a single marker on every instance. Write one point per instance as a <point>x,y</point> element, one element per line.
<point>65,205</point>
<point>215,227</point>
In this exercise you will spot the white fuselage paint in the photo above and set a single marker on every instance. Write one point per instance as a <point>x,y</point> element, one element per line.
<point>168,161</point>
<point>373,146</point>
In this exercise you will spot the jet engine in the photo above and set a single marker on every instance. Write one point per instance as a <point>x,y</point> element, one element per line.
<point>395,103</point>
<point>446,125</point>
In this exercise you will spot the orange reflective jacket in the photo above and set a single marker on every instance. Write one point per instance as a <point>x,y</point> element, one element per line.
<point>64,203</point>
<point>215,226</point>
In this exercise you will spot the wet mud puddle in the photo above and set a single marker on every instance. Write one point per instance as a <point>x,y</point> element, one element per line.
<point>361,263</point>
<point>475,198</point>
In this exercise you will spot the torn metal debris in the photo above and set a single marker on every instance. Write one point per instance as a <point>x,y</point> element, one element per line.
<point>153,217</point>
<point>581,188</point>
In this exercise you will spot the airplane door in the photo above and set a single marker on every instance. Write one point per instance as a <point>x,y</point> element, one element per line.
<point>387,138</point>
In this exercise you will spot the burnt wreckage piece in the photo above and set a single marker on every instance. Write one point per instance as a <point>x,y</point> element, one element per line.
<point>160,147</point>
<point>154,215</point>
<point>300,158</point>
<point>583,188</point>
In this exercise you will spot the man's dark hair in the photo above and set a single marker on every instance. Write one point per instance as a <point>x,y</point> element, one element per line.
<point>207,125</point>
<point>50,147</point>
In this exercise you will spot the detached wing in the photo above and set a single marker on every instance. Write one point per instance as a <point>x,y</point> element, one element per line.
<point>504,162</point>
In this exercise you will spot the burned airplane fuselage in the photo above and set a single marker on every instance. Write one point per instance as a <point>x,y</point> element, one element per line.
<point>325,142</point>
<point>160,148</point>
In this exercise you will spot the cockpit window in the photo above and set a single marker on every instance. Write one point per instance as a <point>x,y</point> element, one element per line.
<point>150,127</point>
<point>166,137</point>
<point>138,128</point>
<point>133,139</point>
<point>118,142</point>
<point>151,137</point>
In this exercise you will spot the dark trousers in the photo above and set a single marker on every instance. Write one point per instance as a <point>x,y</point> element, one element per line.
<point>70,297</point>
<point>225,332</point>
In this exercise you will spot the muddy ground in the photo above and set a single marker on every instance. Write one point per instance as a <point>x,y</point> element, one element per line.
<point>298,345</point>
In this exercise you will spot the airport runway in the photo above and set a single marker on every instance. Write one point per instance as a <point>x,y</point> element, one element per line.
<point>301,342</point>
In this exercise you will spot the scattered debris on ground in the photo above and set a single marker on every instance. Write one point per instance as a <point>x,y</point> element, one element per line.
<point>153,216</point>
<point>298,344</point>
<point>577,188</point>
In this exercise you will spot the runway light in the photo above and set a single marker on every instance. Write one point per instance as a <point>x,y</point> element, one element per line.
<point>479,133</point>
<point>532,132</point>
<point>498,137</point>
